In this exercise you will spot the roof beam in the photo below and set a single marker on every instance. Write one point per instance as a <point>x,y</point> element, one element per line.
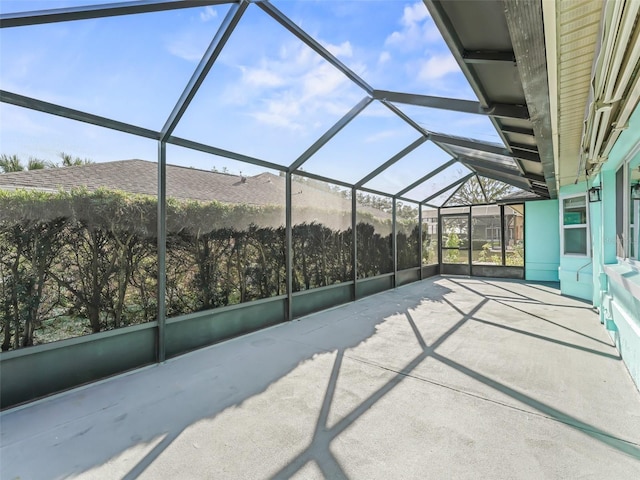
<point>525,155</point>
<point>472,162</point>
<point>526,29</point>
<point>391,161</point>
<point>340,183</point>
<point>524,148</point>
<point>448,187</point>
<point>215,47</point>
<point>514,183</point>
<point>385,194</point>
<point>444,204</point>
<point>86,12</point>
<point>501,110</point>
<point>283,20</point>
<point>518,130</point>
<point>540,191</point>
<point>429,175</point>
<point>181,142</point>
<point>451,37</point>
<point>405,117</point>
<point>535,178</point>
<point>443,140</point>
<point>60,111</point>
<point>329,134</point>
<point>488,57</point>
<point>484,193</point>
<point>320,178</point>
<point>470,144</point>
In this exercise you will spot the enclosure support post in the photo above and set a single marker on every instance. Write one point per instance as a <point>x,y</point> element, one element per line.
<point>503,236</point>
<point>420,240</point>
<point>439,241</point>
<point>470,240</point>
<point>354,242</point>
<point>524,236</point>
<point>162,248</point>
<point>394,241</point>
<point>289,247</point>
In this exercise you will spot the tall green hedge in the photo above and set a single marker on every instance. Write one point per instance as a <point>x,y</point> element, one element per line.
<point>77,262</point>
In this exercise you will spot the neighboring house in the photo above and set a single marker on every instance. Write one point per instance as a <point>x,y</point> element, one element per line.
<point>485,223</point>
<point>185,183</point>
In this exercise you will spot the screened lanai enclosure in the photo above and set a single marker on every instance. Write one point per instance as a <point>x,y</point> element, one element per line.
<point>177,173</point>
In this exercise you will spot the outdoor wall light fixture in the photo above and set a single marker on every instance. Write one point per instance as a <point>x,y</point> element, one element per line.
<point>594,194</point>
<point>635,191</point>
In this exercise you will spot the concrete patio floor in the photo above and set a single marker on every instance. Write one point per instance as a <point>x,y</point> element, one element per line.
<point>451,377</point>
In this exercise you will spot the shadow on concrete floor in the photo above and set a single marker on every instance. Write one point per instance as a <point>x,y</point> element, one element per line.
<point>148,410</point>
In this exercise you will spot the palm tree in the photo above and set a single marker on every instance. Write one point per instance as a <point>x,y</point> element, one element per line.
<point>10,163</point>
<point>37,164</point>
<point>69,161</point>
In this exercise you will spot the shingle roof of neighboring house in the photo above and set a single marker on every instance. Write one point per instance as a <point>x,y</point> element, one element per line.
<point>184,183</point>
<point>141,176</point>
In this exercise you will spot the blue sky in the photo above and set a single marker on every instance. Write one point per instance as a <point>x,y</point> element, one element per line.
<point>268,95</point>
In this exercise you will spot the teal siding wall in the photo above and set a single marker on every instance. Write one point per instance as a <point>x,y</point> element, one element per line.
<point>576,272</point>
<point>542,240</point>
<point>617,282</point>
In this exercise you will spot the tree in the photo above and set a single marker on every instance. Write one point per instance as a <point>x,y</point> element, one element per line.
<point>33,248</point>
<point>37,164</point>
<point>452,243</point>
<point>471,192</point>
<point>13,163</point>
<point>10,163</point>
<point>69,161</point>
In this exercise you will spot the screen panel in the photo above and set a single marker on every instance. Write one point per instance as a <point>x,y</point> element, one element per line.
<point>322,235</point>
<point>78,226</point>
<point>225,232</point>
<point>374,234</point>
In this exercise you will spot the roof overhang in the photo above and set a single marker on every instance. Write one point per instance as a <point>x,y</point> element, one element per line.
<point>500,48</point>
<point>593,49</point>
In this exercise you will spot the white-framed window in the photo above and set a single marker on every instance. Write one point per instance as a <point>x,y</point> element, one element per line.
<point>634,229</point>
<point>627,208</point>
<point>493,233</point>
<point>633,180</point>
<point>575,228</point>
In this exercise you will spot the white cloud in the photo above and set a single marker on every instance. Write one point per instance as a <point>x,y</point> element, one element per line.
<point>190,43</point>
<point>414,13</point>
<point>384,57</point>
<point>185,47</point>
<point>295,90</point>
<point>342,50</point>
<point>208,13</point>
<point>322,81</point>
<point>437,67</point>
<point>276,120</point>
<point>261,77</point>
<point>417,29</point>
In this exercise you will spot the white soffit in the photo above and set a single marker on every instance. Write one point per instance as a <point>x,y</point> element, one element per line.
<point>577,27</point>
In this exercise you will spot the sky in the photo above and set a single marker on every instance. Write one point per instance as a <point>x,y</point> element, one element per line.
<point>268,95</point>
